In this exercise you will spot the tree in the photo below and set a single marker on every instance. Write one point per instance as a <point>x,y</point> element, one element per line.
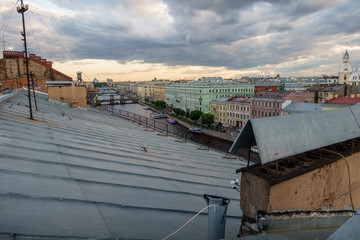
<point>207,119</point>
<point>160,104</point>
<point>219,124</point>
<point>182,113</point>
<point>195,115</point>
<point>187,115</point>
<point>177,111</point>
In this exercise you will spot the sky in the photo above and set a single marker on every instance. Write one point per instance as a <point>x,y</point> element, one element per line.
<point>139,40</point>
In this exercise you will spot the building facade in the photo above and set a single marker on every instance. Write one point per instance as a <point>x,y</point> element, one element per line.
<point>237,111</point>
<point>13,71</point>
<point>267,104</point>
<point>218,109</point>
<point>198,95</point>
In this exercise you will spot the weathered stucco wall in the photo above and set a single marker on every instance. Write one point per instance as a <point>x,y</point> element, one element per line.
<point>13,73</point>
<point>74,95</point>
<point>326,188</point>
<point>254,194</point>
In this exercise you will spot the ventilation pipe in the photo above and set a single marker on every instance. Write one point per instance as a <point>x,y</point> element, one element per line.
<point>217,216</point>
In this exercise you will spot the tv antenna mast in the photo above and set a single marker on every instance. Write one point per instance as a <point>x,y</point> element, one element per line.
<point>22,9</point>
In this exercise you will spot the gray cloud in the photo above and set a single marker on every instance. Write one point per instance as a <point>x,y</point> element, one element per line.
<point>200,32</point>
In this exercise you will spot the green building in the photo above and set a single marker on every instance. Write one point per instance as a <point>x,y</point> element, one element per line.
<point>198,95</point>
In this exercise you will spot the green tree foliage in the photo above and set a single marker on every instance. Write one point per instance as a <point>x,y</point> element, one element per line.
<point>177,111</point>
<point>182,113</point>
<point>100,84</point>
<point>187,115</point>
<point>207,119</point>
<point>219,124</point>
<point>160,104</point>
<point>195,115</point>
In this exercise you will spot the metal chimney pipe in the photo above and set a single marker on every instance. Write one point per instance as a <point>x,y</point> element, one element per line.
<point>217,216</point>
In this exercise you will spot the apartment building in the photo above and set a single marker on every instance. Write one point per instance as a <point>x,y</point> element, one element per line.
<point>197,95</point>
<point>218,109</point>
<point>237,111</point>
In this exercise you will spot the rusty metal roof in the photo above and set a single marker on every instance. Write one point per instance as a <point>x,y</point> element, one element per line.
<point>79,173</point>
<point>284,136</point>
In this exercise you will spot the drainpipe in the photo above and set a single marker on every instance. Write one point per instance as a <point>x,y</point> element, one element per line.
<point>217,216</point>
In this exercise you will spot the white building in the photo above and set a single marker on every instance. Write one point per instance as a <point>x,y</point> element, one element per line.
<point>345,69</point>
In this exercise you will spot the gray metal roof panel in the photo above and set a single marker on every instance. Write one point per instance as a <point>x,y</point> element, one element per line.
<point>303,107</point>
<point>82,173</point>
<point>349,230</point>
<point>284,136</point>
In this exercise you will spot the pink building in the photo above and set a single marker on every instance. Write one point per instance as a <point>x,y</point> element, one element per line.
<point>301,97</point>
<point>267,104</point>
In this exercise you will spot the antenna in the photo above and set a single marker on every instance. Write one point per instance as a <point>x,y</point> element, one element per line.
<point>22,9</point>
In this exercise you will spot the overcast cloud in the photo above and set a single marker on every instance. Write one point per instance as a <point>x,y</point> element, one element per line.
<point>290,37</point>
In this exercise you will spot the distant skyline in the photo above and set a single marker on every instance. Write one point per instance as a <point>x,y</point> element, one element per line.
<point>140,40</point>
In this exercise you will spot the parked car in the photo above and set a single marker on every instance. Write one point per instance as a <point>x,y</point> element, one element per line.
<point>155,116</point>
<point>147,108</point>
<point>7,90</point>
<point>171,120</point>
<point>195,130</point>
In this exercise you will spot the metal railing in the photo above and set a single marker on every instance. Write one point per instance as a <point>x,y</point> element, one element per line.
<point>178,131</point>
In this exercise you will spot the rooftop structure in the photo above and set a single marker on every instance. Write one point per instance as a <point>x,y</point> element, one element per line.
<point>308,166</point>
<point>81,174</point>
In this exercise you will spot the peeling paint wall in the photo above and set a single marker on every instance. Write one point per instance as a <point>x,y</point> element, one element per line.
<point>326,188</point>
<point>13,73</point>
<point>254,194</point>
<point>74,95</point>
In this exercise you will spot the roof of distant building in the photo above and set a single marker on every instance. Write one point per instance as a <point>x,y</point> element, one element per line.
<point>326,87</point>
<point>60,82</point>
<point>344,100</point>
<point>80,173</point>
<point>220,100</point>
<point>301,107</point>
<point>239,99</point>
<point>354,76</point>
<point>271,94</point>
<point>212,79</point>
<point>270,83</point>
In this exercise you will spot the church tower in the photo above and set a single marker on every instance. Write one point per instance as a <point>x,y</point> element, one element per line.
<point>345,69</point>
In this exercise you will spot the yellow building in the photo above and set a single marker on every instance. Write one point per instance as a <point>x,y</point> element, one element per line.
<point>67,91</point>
<point>238,111</point>
<point>153,90</point>
<point>218,109</point>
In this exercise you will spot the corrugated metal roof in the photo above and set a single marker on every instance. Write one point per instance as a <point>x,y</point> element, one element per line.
<point>81,173</point>
<point>284,136</point>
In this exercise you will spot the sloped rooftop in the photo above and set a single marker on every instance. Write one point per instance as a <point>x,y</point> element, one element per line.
<point>301,107</point>
<point>285,136</point>
<point>74,173</point>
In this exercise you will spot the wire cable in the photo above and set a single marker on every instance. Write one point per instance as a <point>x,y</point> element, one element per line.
<point>7,18</point>
<point>52,33</point>
<point>348,169</point>
<point>212,205</point>
<point>37,43</point>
